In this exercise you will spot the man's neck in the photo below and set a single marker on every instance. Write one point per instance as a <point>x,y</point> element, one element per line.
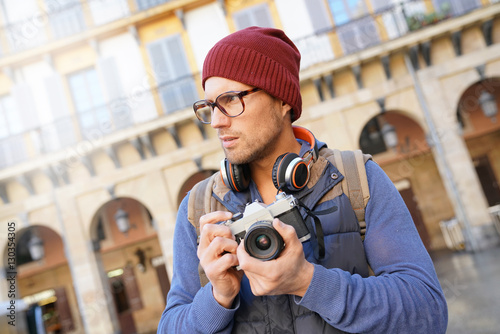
<point>262,171</point>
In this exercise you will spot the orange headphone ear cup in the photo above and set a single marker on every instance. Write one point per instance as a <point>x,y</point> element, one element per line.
<point>236,177</point>
<point>290,172</point>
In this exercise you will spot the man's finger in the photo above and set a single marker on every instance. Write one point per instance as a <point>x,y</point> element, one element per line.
<point>286,231</point>
<point>210,231</point>
<point>214,217</point>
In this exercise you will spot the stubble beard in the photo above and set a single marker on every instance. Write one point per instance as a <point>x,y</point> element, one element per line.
<point>249,155</point>
<point>258,147</point>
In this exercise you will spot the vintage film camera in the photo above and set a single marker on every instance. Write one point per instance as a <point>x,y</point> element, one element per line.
<point>255,226</point>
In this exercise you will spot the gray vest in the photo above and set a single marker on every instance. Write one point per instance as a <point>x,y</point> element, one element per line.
<point>344,250</point>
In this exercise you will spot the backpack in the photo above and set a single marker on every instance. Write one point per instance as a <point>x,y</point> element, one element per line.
<point>351,164</point>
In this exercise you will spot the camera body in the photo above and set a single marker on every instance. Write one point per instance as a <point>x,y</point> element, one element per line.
<point>255,226</point>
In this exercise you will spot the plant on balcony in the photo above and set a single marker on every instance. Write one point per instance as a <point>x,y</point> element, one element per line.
<point>420,20</point>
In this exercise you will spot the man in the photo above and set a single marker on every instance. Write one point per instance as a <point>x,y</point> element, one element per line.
<point>302,290</point>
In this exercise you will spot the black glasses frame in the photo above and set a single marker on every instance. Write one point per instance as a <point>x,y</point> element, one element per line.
<point>203,103</point>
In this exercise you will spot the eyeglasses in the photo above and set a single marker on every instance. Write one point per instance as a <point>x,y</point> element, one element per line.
<point>230,104</point>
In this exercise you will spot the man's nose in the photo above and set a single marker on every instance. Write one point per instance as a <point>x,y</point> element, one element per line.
<point>219,120</point>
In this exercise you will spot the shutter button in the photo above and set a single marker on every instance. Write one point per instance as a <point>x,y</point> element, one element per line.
<point>334,176</point>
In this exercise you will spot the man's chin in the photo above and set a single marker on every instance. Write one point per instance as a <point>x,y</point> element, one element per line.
<point>234,158</point>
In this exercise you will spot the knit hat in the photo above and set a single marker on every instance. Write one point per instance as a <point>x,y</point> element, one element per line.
<point>261,57</point>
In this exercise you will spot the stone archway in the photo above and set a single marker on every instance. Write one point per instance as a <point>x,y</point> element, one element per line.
<point>408,135</point>
<point>481,133</point>
<point>409,163</point>
<point>131,264</point>
<point>44,280</point>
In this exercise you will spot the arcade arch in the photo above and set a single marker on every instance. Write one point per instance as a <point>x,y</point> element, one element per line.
<point>398,143</point>
<point>130,262</point>
<point>477,114</point>
<point>44,280</point>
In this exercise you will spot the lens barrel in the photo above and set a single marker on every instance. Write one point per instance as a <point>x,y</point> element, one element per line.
<point>263,242</point>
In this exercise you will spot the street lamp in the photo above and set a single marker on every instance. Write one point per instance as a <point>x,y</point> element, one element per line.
<point>122,220</point>
<point>489,105</point>
<point>35,247</point>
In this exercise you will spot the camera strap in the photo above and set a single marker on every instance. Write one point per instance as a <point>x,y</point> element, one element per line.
<point>319,250</point>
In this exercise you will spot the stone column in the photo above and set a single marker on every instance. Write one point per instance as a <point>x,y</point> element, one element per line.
<point>164,211</point>
<point>94,298</point>
<point>456,166</point>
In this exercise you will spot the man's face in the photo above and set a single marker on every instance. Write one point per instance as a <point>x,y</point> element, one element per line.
<point>253,135</point>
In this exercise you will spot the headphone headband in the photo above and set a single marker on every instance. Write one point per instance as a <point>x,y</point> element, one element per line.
<point>306,135</point>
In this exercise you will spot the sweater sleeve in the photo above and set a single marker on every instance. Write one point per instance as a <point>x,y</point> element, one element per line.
<point>191,308</point>
<point>404,296</point>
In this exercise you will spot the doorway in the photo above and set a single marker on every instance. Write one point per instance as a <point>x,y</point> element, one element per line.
<point>488,180</point>
<point>416,215</point>
<point>126,296</point>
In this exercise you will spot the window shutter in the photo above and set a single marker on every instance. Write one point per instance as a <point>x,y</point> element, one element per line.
<point>262,16</point>
<point>158,61</point>
<point>111,80</point>
<point>176,86</point>
<point>177,62</point>
<point>56,96</point>
<point>115,95</point>
<point>60,133</point>
<point>242,20</point>
<point>254,16</point>
<point>107,11</point>
<point>12,145</point>
<point>318,14</point>
<point>66,17</point>
<point>26,105</point>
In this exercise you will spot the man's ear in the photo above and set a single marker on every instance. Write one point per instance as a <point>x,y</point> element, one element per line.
<point>286,108</point>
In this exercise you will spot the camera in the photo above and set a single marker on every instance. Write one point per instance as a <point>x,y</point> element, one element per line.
<point>255,226</point>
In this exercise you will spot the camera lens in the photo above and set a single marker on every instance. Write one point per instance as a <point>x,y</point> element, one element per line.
<point>263,242</point>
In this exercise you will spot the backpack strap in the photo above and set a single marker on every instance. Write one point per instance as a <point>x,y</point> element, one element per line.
<point>199,203</point>
<point>351,164</point>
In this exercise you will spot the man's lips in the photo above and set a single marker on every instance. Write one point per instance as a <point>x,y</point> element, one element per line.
<point>228,141</point>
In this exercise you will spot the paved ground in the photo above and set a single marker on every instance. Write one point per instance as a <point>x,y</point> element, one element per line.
<point>471,284</point>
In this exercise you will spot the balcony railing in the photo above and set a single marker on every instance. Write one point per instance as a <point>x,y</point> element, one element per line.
<point>146,4</point>
<point>179,94</point>
<point>66,18</point>
<point>63,18</point>
<point>96,122</point>
<point>387,23</point>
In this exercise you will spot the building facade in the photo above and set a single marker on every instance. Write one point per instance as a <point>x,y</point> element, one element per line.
<point>99,143</point>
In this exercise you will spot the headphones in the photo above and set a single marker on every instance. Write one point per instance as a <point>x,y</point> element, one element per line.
<point>290,171</point>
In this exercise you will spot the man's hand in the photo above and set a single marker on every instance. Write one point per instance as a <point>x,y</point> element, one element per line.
<point>217,254</point>
<point>290,273</point>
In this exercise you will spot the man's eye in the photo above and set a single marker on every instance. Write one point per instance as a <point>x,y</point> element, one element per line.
<point>230,98</point>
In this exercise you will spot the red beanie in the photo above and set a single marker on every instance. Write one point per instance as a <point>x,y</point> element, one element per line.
<point>259,57</point>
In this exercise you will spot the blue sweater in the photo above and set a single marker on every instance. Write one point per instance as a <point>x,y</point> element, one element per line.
<point>404,296</point>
